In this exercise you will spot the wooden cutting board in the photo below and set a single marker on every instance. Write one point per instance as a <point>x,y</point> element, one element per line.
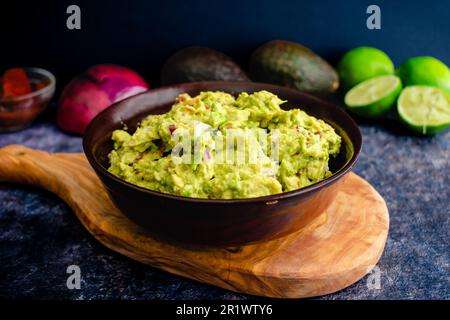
<point>334,251</point>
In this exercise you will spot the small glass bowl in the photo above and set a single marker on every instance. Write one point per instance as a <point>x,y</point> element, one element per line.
<point>19,112</point>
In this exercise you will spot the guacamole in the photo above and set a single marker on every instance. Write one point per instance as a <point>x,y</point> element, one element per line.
<point>217,146</point>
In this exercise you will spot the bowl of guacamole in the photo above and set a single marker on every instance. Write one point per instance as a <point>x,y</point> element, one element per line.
<point>304,144</point>
<point>222,163</point>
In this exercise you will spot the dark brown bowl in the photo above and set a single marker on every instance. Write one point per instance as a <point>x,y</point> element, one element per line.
<point>218,222</point>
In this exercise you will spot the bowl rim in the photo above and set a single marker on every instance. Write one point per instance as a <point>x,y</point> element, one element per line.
<point>269,199</point>
<point>33,94</point>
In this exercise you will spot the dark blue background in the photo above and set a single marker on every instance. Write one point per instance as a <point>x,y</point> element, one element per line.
<point>142,34</point>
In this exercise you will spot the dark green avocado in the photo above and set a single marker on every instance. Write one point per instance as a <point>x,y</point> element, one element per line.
<point>292,65</point>
<point>200,64</point>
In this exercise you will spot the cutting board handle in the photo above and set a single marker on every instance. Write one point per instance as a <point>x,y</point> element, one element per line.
<point>51,171</point>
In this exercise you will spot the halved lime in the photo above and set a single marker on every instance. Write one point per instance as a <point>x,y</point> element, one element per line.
<point>424,109</point>
<point>374,97</point>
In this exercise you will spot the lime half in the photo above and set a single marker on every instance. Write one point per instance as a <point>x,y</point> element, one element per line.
<point>424,109</point>
<point>374,97</point>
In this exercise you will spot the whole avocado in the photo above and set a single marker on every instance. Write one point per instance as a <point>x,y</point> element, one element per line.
<point>200,64</point>
<point>293,65</point>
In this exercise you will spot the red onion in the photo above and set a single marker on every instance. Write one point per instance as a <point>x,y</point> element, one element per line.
<point>94,90</point>
<point>206,155</point>
<point>172,128</point>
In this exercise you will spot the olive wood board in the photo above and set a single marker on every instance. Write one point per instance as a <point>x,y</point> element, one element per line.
<point>334,251</point>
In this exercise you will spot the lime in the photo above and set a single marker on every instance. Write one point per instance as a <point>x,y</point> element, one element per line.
<point>361,64</point>
<point>374,97</point>
<point>424,109</point>
<point>426,71</point>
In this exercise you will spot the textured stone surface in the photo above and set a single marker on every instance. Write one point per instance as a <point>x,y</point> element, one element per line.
<point>40,236</point>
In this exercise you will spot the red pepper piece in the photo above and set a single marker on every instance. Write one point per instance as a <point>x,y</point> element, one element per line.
<point>15,83</point>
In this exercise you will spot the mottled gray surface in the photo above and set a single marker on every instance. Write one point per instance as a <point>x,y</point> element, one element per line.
<point>40,236</point>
